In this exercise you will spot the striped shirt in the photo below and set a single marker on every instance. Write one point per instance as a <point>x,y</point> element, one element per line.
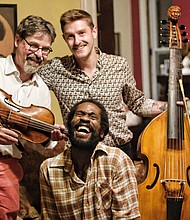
<point>109,192</point>
<point>112,84</point>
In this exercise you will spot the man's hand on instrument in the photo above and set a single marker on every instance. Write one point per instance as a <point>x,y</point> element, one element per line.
<point>59,134</point>
<point>8,136</point>
<point>182,102</point>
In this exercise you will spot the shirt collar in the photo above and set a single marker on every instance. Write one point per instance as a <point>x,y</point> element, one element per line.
<point>64,159</point>
<point>74,64</point>
<point>98,51</point>
<point>10,69</point>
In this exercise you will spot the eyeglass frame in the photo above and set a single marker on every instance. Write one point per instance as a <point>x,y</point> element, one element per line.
<point>37,48</point>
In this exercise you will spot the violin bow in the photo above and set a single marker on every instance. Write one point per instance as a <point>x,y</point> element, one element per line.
<point>184,99</point>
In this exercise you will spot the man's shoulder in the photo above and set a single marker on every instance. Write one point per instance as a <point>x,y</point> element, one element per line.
<point>112,151</point>
<point>63,59</point>
<point>7,65</point>
<point>57,63</point>
<point>114,158</point>
<point>110,60</point>
<point>53,161</point>
<point>7,59</point>
<point>113,56</point>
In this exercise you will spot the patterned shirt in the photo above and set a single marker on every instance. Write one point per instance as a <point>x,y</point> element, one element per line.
<point>109,192</point>
<point>112,84</point>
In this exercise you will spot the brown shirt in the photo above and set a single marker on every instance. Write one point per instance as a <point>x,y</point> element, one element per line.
<point>109,192</point>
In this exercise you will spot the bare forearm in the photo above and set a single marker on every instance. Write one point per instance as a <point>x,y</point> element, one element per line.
<point>158,107</point>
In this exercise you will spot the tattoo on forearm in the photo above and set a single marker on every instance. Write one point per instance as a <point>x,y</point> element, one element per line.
<point>160,106</point>
<point>163,107</point>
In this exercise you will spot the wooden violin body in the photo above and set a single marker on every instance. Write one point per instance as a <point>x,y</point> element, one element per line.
<point>33,123</point>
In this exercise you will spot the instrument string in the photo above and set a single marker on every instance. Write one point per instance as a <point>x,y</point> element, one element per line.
<point>25,120</point>
<point>188,118</point>
<point>184,100</point>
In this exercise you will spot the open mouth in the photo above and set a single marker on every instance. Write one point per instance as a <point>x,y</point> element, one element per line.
<point>83,129</point>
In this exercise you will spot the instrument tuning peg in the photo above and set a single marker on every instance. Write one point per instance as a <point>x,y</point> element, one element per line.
<point>182,27</point>
<point>184,33</point>
<point>185,40</point>
<point>164,22</point>
<point>164,34</point>
<point>164,29</point>
<point>163,42</point>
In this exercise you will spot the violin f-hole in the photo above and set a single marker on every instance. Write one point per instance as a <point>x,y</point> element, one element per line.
<point>156,177</point>
<point>187,173</point>
<point>6,100</point>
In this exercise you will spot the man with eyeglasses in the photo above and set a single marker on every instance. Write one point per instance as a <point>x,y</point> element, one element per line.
<point>34,48</point>
<point>18,78</point>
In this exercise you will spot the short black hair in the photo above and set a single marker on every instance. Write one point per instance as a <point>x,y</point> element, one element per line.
<point>104,116</point>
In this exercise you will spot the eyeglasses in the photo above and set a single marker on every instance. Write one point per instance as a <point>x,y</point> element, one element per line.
<point>34,48</point>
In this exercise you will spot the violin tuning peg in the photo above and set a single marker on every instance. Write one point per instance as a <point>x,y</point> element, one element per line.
<point>164,29</point>
<point>164,22</point>
<point>184,33</point>
<point>185,40</point>
<point>163,42</point>
<point>182,27</point>
<point>164,34</point>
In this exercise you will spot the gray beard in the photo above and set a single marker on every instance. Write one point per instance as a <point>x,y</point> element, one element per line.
<point>29,69</point>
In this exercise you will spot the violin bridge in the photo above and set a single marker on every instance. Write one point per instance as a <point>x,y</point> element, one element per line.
<point>174,188</point>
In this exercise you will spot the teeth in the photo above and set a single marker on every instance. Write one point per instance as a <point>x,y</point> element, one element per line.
<point>78,48</point>
<point>83,129</point>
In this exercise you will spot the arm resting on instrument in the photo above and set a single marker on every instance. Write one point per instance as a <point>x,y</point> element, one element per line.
<point>158,107</point>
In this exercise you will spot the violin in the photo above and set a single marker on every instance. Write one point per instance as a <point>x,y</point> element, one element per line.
<point>33,123</point>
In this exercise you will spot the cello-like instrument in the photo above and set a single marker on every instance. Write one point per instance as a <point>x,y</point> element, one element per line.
<point>165,147</point>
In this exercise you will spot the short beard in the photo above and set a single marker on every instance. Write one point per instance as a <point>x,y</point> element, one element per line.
<point>90,144</point>
<point>31,69</point>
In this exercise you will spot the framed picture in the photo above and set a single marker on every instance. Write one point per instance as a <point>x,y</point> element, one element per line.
<point>8,24</point>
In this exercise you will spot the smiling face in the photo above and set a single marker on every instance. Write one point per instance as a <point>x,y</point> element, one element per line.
<point>26,60</point>
<point>79,37</point>
<point>85,128</point>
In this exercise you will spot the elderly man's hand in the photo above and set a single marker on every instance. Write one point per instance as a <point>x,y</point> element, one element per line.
<point>8,136</point>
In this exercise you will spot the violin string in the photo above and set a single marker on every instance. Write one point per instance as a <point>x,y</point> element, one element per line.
<point>181,144</point>
<point>182,125</point>
<point>41,125</point>
<point>21,119</point>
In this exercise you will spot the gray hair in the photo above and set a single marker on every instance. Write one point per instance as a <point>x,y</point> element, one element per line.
<point>35,24</point>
